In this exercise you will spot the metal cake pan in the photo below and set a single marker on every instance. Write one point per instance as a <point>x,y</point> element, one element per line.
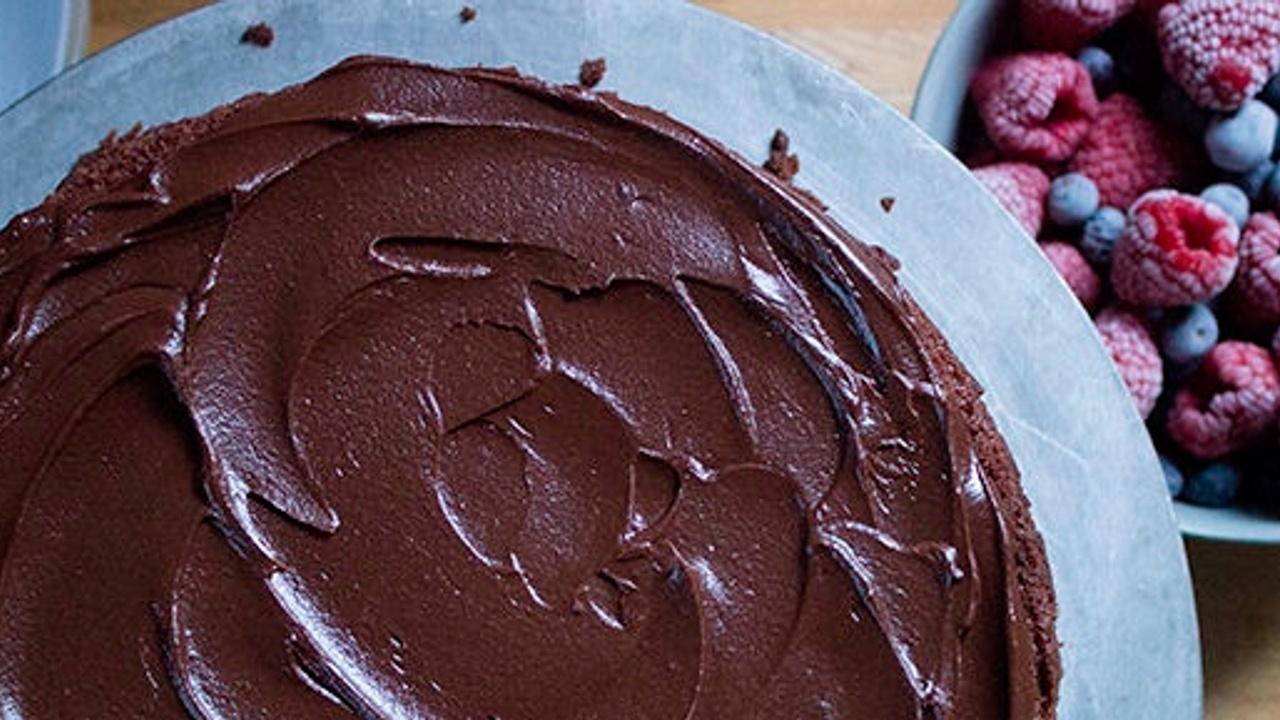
<point>1127,623</point>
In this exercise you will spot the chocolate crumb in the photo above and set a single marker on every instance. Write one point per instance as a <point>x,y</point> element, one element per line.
<point>781,164</point>
<point>260,34</point>
<point>467,15</point>
<point>592,72</point>
<point>887,203</point>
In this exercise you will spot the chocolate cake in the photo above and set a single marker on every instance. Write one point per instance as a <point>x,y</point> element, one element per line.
<point>418,393</point>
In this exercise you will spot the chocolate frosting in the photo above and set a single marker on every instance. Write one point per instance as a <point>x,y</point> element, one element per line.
<point>409,392</point>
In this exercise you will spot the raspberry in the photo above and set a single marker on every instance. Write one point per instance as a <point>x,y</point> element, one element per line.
<point>1231,401</point>
<point>1076,272</point>
<point>1036,106</point>
<point>1126,153</point>
<point>1176,250</point>
<point>1020,188</point>
<point>1067,24</point>
<point>1220,51</point>
<point>1258,279</point>
<point>1134,354</point>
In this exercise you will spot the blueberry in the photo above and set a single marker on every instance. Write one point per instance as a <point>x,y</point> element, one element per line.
<point>1244,140</point>
<point>1101,231</point>
<point>1231,199</point>
<point>1216,485</point>
<point>1101,67</point>
<point>1173,478</point>
<point>1073,197</point>
<point>1188,334</point>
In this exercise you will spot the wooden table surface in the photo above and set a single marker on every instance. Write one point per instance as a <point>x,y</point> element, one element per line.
<point>883,44</point>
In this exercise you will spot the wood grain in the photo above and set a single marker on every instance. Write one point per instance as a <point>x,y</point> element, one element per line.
<point>884,44</point>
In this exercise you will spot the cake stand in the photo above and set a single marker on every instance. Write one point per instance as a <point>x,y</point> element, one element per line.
<point>1126,621</point>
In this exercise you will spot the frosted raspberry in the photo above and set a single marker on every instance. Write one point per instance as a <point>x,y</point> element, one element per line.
<point>1126,153</point>
<point>1076,271</point>
<point>1258,279</point>
<point>1068,24</point>
<point>1036,106</point>
<point>1176,250</point>
<point>1220,51</point>
<point>1231,401</point>
<point>1135,355</point>
<point>1020,188</point>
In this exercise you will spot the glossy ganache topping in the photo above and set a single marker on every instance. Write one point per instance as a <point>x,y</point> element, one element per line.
<point>414,393</point>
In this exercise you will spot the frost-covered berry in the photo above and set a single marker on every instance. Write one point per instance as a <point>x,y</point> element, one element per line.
<point>1036,106</point>
<point>1243,140</point>
<point>1073,197</point>
<point>1135,355</point>
<point>1101,67</point>
<point>1176,250</point>
<point>1215,485</point>
<point>1258,278</point>
<point>1188,333</point>
<point>1221,51</point>
<point>1232,401</point>
<point>1126,152</point>
<point>1173,478</point>
<point>1020,188</point>
<point>1101,231</point>
<point>1230,198</point>
<point>1068,24</point>
<point>1076,272</point>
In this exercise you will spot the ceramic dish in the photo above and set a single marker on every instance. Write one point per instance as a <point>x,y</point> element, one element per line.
<point>939,110</point>
<point>1119,569</point>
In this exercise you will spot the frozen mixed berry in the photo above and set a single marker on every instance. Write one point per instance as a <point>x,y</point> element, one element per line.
<point>1073,197</point>
<point>1101,67</point>
<point>1126,153</point>
<point>1135,355</point>
<point>1233,201</point>
<point>1254,183</point>
<point>1243,140</point>
<point>1101,231</point>
<point>1215,485</point>
<point>1188,333</point>
<point>1221,51</point>
<point>1076,272</point>
<point>1173,477</point>
<point>1068,24</point>
<point>1176,250</point>
<point>1036,106</point>
<point>1275,346</point>
<point>1258,279</point>
<point>1232,401</point>
<point>1020,188</point>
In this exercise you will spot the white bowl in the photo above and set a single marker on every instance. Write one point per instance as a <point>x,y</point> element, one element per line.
<point>939,110</point>
<point>38,38</point>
